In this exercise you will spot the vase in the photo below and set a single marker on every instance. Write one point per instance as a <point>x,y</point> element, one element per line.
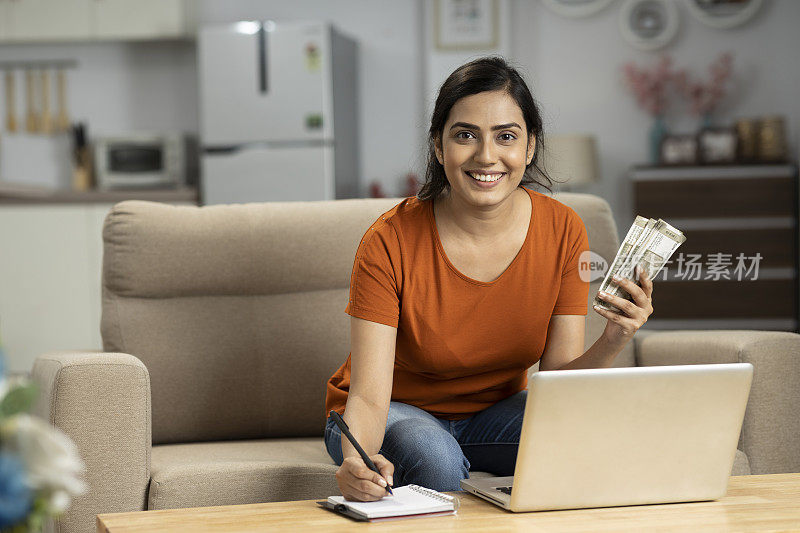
<point>657,132</point>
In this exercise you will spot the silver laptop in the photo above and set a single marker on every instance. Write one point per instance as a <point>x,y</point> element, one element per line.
<point>624,436</point>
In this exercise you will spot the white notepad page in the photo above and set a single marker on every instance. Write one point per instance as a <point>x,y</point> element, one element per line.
<point>407,500</point>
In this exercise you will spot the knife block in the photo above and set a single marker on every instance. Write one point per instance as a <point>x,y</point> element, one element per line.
<point>82,171</point>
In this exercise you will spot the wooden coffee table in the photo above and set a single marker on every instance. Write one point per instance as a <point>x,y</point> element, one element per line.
<point>753,503</point>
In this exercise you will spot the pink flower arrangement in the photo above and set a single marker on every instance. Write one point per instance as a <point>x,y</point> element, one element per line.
<point>705,97</point>
<point>651,87</point>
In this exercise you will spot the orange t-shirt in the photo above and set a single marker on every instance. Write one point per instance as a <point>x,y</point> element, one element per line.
<point>462,344</point>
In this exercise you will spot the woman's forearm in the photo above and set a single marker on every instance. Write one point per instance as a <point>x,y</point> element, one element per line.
<point>601,354</point>
<point>367,423</point>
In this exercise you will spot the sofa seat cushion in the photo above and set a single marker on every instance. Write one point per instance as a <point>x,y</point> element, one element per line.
<point>255,471</point>
<point>239,472</point>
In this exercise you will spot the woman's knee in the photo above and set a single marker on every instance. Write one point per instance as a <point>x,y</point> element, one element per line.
<point>425,454</point>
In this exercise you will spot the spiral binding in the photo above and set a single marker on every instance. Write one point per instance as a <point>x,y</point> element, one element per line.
<point>436,495</point>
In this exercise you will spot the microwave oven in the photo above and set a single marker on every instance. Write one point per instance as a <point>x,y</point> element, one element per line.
<point>145,161</point>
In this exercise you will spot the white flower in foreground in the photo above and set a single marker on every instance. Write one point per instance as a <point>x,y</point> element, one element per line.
<point>59,501</point>
<point>51,459</point>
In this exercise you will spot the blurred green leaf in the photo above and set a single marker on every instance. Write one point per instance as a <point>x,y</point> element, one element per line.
<point>19,399</point>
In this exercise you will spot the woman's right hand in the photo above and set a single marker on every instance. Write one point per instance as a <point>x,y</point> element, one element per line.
<point>357,482</point>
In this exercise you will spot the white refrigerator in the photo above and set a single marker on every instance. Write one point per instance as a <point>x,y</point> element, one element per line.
<point>278,112</point>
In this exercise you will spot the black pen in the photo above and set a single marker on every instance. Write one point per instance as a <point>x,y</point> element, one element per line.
<point>346,432</point>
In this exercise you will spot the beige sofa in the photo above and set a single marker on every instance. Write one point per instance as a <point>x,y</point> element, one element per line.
<point>221,326</point>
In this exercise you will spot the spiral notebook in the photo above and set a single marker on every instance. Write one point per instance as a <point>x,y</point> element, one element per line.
<point>409,501</point>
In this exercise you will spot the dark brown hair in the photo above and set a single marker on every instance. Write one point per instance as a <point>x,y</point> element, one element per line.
<point>491,73</point>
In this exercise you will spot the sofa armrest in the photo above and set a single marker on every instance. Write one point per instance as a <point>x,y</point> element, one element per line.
<point>771,425</point>
<point>102,401</point>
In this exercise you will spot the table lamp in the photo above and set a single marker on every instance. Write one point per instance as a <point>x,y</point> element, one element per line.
<point>571,159</point>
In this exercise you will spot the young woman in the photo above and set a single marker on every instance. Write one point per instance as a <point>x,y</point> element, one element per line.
<point>455,293</point>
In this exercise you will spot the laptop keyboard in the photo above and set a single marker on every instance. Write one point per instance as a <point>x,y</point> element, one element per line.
<point>506,490</point>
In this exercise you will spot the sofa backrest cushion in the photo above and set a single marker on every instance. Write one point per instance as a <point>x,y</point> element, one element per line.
<point>238,310</point>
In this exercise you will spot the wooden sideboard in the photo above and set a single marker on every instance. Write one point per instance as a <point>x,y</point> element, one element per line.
<point>738,215</point>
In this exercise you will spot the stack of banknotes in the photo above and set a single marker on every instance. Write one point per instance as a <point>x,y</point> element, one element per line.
<point>649,243</point>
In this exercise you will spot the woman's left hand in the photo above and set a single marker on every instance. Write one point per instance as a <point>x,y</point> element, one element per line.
<point>621,326</point>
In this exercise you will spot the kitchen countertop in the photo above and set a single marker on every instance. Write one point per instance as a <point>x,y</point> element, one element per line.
<point>13,195</point>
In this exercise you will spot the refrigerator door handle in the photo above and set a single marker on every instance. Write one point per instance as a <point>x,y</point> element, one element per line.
<point>263,87</point>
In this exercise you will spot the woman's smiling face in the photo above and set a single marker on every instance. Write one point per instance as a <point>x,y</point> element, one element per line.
<point>484,148</point>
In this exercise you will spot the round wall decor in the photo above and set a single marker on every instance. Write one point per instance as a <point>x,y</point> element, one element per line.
<point>723,14</point>
<point>649,24</point>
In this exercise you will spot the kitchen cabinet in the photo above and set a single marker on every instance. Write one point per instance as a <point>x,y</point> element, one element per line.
<point>726,212</point>
<point>49,20</point>
<point>51,256</point>
<point>5,22</point>
<point>142,19</point>
<point>87,20</point>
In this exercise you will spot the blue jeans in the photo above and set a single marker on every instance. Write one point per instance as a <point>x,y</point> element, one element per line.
<point>438,453</point>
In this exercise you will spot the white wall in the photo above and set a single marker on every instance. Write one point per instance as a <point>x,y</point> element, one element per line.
<point>574,68</point>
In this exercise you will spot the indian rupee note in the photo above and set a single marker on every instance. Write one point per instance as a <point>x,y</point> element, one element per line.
<point>651,254</point>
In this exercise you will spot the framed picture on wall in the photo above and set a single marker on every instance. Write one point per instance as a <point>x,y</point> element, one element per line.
<point>466,24</point>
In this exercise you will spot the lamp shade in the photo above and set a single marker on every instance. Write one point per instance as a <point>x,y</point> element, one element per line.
<point>571,159</point>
